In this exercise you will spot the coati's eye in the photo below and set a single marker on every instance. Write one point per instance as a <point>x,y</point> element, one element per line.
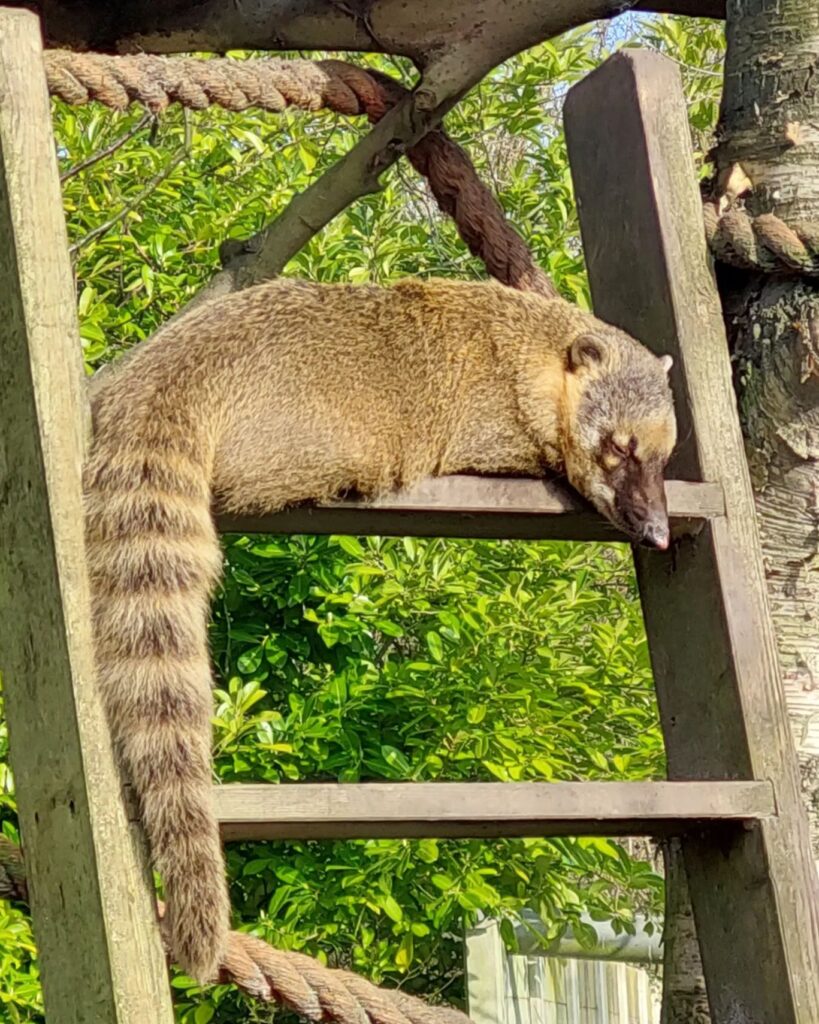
<point>623,451</point>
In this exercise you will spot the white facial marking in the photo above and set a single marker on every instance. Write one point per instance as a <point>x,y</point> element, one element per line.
<point>601,495</point>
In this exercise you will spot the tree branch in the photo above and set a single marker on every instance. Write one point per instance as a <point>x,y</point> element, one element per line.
<point>101,154</point>
<point>138,200</point>
<point>356,174</point>
<point>131,205</point>
<point>416,30</point>
<point>274,84</point>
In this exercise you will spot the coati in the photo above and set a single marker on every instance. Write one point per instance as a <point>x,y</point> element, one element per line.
<point>290,392</point>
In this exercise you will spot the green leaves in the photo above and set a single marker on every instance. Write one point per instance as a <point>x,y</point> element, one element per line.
<point>450,660</point>
<point>481,694</point>
<point>351,545</point>
<point>390,907</point>
<point>403,956</point>
<point>435,645</point>
<point>204,1013</point>
<point>396,760</point>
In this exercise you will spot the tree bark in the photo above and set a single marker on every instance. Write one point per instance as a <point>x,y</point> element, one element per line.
<point>417,29</point>
<point>684,997</point>
<point>770,126</point>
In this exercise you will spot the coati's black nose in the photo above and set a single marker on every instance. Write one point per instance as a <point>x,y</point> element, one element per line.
<point>656,534</point>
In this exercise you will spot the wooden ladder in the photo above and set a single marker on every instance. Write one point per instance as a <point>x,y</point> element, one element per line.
<point>734,794</point>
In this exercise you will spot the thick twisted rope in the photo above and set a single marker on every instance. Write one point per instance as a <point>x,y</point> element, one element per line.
<point>479,217</point>
<point>156,82</point>
<point>275,85</point>
<point>763,243</point>
<point>317,993</point>
<point>321,994</point>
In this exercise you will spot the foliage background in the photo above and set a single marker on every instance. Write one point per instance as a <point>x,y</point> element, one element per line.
<point>370,658</point>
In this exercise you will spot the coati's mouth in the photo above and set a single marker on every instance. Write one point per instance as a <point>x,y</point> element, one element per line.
<point>644,524</point>
<point>656,534</point>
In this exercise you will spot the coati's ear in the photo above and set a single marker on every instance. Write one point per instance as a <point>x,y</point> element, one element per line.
<point>587,352</point>
<point>666,362</point>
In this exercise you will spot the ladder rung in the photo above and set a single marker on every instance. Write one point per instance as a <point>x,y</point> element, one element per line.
<point>460,809</point>
<point>475,506</point>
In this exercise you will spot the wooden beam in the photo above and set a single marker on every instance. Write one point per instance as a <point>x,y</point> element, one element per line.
<point>101,960</point>
<point>473,506</point>
<point>755,895</point>
<point>416,30</point>
<point>486,809</point>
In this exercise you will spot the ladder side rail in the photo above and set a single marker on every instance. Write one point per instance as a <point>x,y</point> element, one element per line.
<point>722,703</point>
<point>93,907</point>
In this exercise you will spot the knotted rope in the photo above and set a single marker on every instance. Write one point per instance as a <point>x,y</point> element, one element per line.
<point>275,85</point>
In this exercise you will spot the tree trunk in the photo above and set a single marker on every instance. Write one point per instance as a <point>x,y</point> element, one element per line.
<point>684,997</point>
<point>769,125</point>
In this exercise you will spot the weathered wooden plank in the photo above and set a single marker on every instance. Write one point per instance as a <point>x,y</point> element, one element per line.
<point>473,506</point>
<point>100,955</point>
<point>444,809</point>
<point>712,645</point>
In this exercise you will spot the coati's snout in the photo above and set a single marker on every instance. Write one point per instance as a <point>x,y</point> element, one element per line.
<point>639,505</point>
<point>627,491</point>
<point>620,430</point>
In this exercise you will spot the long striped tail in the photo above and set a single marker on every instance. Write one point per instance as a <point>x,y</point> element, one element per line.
<point>154,559</point>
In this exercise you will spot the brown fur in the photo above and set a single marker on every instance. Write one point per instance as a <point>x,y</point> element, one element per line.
<point>288,392</point>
